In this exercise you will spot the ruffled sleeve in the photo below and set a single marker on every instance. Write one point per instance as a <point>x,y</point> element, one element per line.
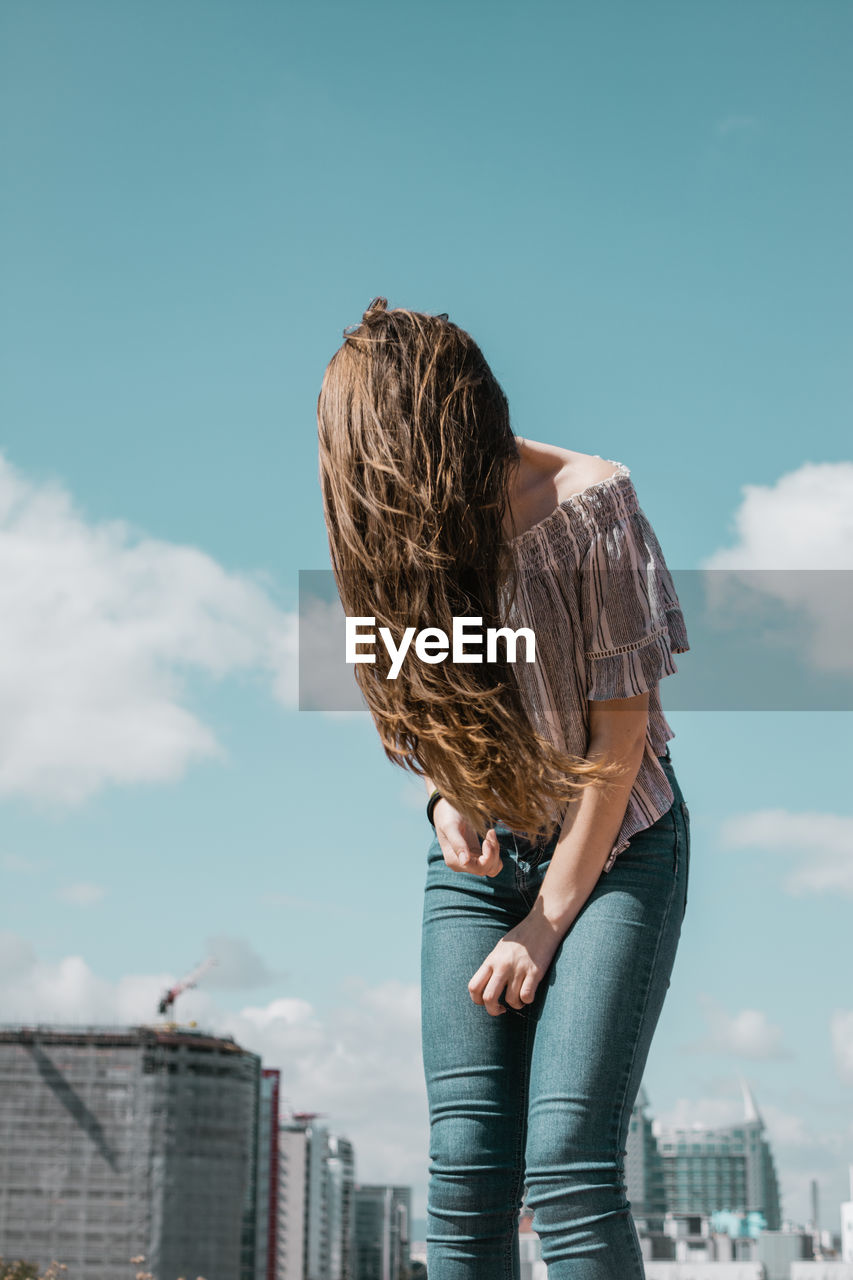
<point>632,619</point>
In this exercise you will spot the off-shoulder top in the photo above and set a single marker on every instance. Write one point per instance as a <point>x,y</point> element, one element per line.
<point>595,589</point>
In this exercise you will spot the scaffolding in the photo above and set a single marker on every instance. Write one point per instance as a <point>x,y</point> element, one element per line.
<point>125,1141</point>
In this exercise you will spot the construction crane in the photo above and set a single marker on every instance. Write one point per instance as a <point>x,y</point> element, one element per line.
<point>170,996</point>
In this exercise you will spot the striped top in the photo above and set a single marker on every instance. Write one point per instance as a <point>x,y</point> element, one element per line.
<point>596,591</point>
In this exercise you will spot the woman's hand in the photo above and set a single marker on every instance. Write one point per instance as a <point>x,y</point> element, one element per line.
<point>460,844</point>
<point>518,963</point>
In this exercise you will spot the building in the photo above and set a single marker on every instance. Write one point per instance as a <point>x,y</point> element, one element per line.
<point>128,1141</point>
<point>822,1269</point>
<point>643,1165</point>
<point>704,1271</point>
<point>291,1248</point>
<point>778,1249</point>
<point>382,1216</point>
<point>266,1200</point>
<point>686,1248</point>
<point>701,1170</point>
<point>315,1210</point>
<point>340,1213</point>
<point>847,1224</point>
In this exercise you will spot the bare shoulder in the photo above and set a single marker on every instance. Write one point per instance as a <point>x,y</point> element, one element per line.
<point>548,476</point>
<point>581,471</point>
<point>569,470</point>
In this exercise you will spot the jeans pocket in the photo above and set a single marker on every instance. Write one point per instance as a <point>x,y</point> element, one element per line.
<point>685,813</point>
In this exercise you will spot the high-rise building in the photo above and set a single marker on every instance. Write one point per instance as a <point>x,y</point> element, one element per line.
<point>382,1216</point>
<point>315,1219</point>
<point>291,1247</point>
<point>702,1170</point>
<point>266,1225</point>
<point>128,1141</point>
<point>340,1176</point>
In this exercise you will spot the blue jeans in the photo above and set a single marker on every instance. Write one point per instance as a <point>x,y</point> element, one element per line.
<point>539,1100</point>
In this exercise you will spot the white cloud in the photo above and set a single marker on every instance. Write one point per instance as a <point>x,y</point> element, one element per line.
<point>820,843</point>
<point>789,1129</point>
<point>327,681</point>
<point>101,626</point>
<point>841,1030</point>
<point>66,990</point>
<point>698,1113</point>
<point>237,966</point>
<point>289,1011</point>
<point>747,1034</point>
<point>361,1065</point>
<point>82,894</point>
<point>784,1128</point>
<point>802,522</point>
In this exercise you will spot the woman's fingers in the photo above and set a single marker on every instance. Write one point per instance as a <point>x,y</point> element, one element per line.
<point>516,979</point>
<point>490,855</point>
<point>486,986</point>
<point>477,984</point>
<point>455,848</point>
<point>485,860</point>
<point>515,988</point>
<point>492,991</point>
<point>462,851</point>
<point>529,987</point>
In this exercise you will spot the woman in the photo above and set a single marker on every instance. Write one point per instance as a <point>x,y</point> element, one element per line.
<point>556,882</point>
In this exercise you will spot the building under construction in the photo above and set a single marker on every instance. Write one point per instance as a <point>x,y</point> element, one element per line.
<point>116,1143</point>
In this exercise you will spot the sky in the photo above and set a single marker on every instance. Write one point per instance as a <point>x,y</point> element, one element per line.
<point>642,215</point>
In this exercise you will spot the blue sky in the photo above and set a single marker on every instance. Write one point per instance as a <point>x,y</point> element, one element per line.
<point>642,214</point>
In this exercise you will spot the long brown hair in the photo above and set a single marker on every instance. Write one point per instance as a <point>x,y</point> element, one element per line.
<point>416,455</point>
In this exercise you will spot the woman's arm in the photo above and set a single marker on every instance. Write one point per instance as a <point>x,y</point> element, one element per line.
<point>617,732</point>
<point>521,958</point>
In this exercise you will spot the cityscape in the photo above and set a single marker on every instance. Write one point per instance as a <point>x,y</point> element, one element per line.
<point>163,1151</point>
